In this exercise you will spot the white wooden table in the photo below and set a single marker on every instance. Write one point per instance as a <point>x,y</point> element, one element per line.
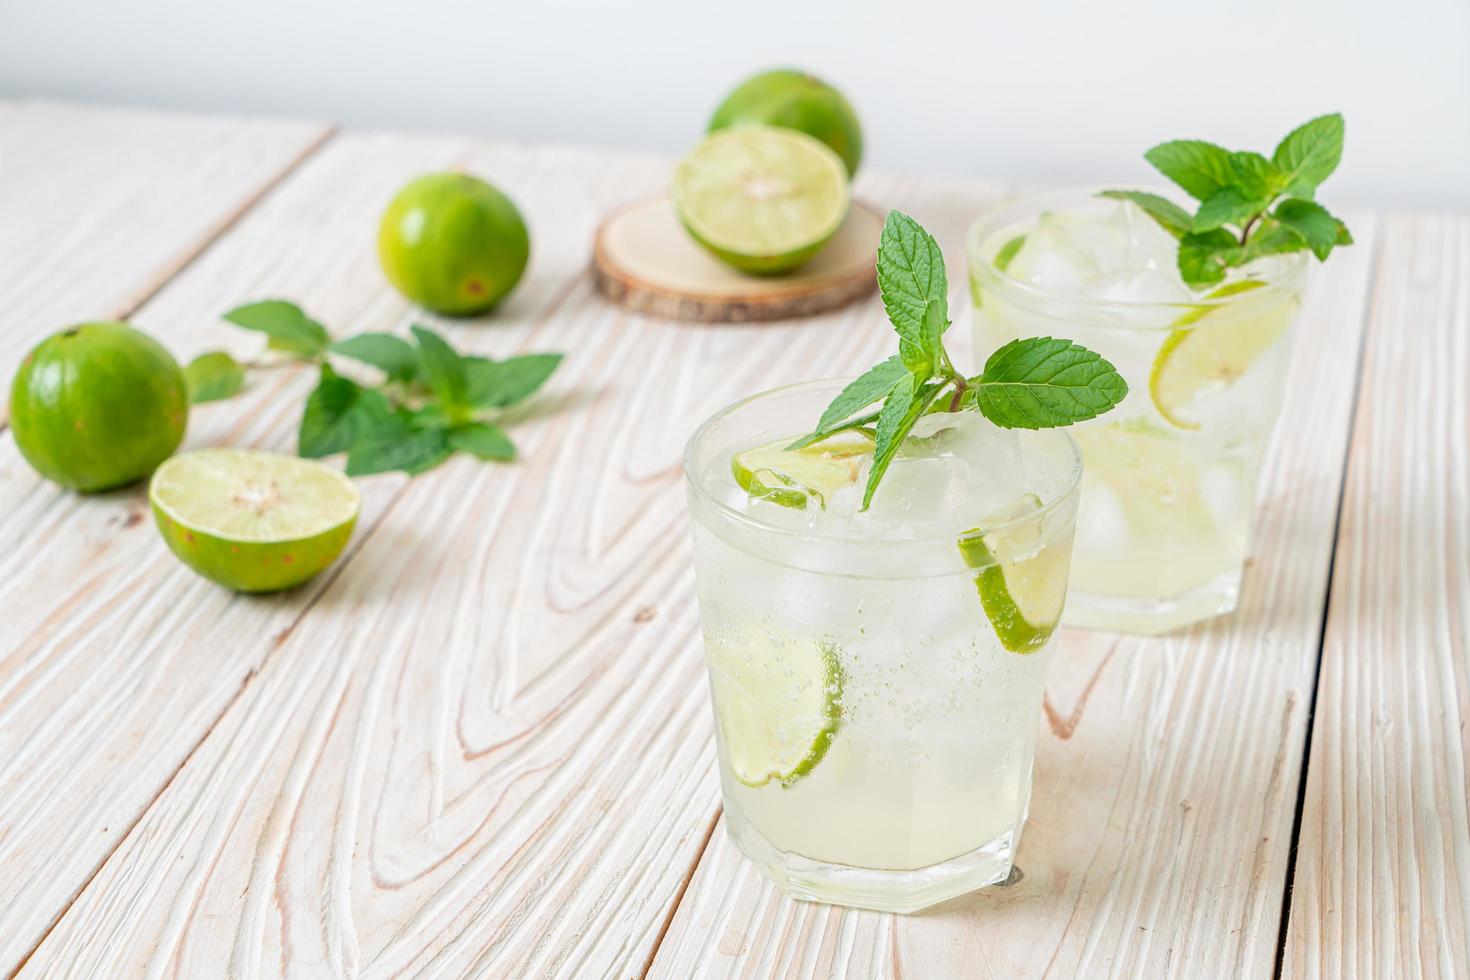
<point>482,746</point>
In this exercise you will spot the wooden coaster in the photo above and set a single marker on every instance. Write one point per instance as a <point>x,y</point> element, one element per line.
<point>645,260</point>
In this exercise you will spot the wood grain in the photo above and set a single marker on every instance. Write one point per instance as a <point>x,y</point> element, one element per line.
<point>115,660</point>
<point>1382,886</point>
<point>487,750</point>
<point>99,207</point>
<point>1166,773</point>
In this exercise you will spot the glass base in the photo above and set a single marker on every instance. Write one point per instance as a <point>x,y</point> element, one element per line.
<point>1135,614</point>
<point>869,888</point>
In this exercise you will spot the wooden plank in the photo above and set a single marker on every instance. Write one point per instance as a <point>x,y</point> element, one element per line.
<point>102,205</point>
<point>487,751</point>
<point>1382,886</point>
<point>1165,776</point>
<point>115,660</point>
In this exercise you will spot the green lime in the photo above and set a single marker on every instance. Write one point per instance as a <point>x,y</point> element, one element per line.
<point>98,405</point>
<point>1022,580</point>
<point>1210,349</point>
<point>253,521</point>
<point>453,244</point>
<point>763,200</point>
<point>794,477</point>
<point>779,704</point>
<point>795,100</point>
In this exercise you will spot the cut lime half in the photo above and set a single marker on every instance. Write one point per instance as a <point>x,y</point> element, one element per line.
<point>1210,350</point>
<point>779,705</point>
<point>796,477</point>
<point>762,199</point>
<point>1022,580</point>
<point>253,521</point>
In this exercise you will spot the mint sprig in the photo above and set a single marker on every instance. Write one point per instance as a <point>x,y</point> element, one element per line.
<point>431,402</point>
<point>1249,206</point>
<point>1034,383</point>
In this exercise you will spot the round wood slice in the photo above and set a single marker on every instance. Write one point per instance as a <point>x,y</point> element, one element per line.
<point>644,259</point>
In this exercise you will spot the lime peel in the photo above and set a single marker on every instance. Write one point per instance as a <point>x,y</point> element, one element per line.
<point>1022,584</point>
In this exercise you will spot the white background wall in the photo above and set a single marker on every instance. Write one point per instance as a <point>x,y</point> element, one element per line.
<point>1018,89</point>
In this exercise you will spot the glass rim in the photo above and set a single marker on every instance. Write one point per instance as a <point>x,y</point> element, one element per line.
<point>1049,503</point>
<point>1288,281</point>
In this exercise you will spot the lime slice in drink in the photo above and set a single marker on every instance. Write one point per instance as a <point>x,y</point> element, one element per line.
<point>778,703</point>
<point>762,199</point>
<point>253,521</point>
<point>1209,350</point>
<point>1022,580</point>
<point>795,477</point>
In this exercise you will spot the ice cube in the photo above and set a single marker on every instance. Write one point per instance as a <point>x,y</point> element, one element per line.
<point>1102,236</point>
<point>920,492</point>
<point>1051,260</point>
<point>1149,245</point>
<point>954,472</point>
<point>1138,286</point>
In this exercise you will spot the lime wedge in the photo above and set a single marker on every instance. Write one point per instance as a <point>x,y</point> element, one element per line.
<point>795,477</point>
<point>762,199</point>
<point>253,521</point>
<point>778,703</point>
<point>1209,350</point>
<point>1022,580</point>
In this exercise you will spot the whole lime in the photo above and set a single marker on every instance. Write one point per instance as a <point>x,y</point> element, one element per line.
<point>98,405</point>
<point>795,100</point>
<point>453,243</point>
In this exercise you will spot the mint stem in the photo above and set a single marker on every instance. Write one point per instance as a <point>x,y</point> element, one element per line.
<point>1245,230</point>
<point>958,400</point>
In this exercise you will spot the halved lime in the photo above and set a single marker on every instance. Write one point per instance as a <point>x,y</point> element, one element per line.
<point>1022,581</point>
<point>253,521</point>
<point>1210,349</point>
<point>779,704</point>
<point>794,477</point>
<point>762,199</point>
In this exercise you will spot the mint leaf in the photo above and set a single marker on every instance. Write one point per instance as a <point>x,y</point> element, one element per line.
<point>213,376</point>
<point>483,440</point>
<point>1204,256</point>
<point>1271,237</point>
<point>908,400</point>
<point>391,354</point>
<point>496,384</point>
<point>1256,177</point>
<point>1316,226</point>
<point>914,287</point>
<point>1226,206</point>
<point>1200,168</point>
<point>1174,219</point>
<point>1008,252</point>
<point>288,327</point>
<point>338,411</point>
<point>1309,154</point>
<point>400,441</point>
<point>442,369</point>
<point>1041,382</point>
<point>863,391</point>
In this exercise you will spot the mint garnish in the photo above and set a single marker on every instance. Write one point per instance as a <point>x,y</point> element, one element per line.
<point>1034,383</point>
<point>1249,206</point>
<point>432,400</point>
